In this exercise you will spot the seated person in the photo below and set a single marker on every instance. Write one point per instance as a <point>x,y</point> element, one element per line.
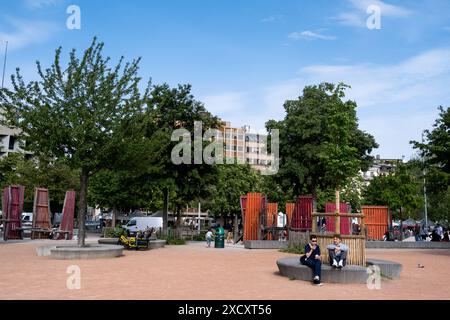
<point>311,258</point>
<point>337,252</point>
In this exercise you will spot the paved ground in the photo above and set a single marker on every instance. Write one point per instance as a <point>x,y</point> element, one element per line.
<point>195,272</point>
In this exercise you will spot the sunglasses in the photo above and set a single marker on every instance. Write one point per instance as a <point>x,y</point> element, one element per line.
<point>313,240</point>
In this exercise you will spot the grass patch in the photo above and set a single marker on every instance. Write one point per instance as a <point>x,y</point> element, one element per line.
<point>293,250</point>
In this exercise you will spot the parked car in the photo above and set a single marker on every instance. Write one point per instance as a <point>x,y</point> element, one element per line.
<point>93,225</point>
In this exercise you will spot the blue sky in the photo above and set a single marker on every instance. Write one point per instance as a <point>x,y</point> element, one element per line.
<point>244,58</point>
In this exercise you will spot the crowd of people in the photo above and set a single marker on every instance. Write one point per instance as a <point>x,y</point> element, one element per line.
<point>419,232</point>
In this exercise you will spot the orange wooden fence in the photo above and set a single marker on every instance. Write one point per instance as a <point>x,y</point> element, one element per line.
<point>289,209</point>
<point>271,217</point>
<point>376,220</point>
<point>255,204</point>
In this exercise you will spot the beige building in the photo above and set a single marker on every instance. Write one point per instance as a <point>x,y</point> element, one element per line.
<point>245,146</point>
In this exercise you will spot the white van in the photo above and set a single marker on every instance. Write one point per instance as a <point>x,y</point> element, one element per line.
<point>27,218</point>
<point>141,223</point>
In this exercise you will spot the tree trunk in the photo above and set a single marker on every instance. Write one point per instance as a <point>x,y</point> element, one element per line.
<point>165,210</point>
<point>82,208</point>
<point>401,224</point>
<point>236,229</point>
<point>114,215</point>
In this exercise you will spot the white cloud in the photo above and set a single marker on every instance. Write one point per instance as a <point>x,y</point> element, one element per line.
<point>351,19</point>
<point>274,18</point>
<point>26,33</point>
<point>387,10</point>
<point>37,4</point>
<point>357,17</point>
<point>309,35</point>
<point>226,102</point>
<point>382,84</point>
<point>396,102</point>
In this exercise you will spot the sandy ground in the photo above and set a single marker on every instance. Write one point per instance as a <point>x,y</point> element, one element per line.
<point>195,272</point>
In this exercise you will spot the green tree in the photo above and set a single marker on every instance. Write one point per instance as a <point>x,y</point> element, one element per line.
<point>234,180</point>
<point>435,153</point>
<point>400,190</point>
<point>77,113</point>
<point>321,147</point>
<point>170,109</point>
<point>33,173</point>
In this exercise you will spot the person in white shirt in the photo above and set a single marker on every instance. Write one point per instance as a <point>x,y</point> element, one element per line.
<point>209,236</point>
<point>337,252</point>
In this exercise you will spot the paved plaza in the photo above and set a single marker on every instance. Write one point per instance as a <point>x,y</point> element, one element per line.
<point>194,271</point>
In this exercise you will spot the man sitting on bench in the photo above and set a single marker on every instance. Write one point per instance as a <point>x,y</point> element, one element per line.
<point>311,258</point>
<point>337,252</point>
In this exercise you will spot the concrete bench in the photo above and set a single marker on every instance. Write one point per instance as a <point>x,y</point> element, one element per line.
<point>265,244</point>
<point>388,269</point>
<point>293,269</point>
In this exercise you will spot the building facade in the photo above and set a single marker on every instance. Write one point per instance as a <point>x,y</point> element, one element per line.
<point>8,141</point>
<point>245,146</point>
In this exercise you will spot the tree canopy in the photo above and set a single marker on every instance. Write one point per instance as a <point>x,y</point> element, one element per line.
<point>78,113</point>
<point>321,146</point>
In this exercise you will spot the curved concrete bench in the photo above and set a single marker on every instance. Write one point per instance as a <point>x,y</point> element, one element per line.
<point>293,269</point>
<point>155,244</point>
<point>88,252</point>
<point>388,269</point>
<point>114,241</point>
<point>152,244</point>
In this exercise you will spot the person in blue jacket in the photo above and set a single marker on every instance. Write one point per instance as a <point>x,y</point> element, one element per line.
<point>311,258</point>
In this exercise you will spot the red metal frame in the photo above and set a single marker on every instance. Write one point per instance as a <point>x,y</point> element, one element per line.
<point>301,217</point>
<point>12,206</point>
<point>67,216</point>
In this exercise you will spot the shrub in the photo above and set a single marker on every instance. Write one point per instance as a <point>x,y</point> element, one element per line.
<point>173,240</point>
<point>113,232</point>
<point>200,237</point>
<point>293,249</point>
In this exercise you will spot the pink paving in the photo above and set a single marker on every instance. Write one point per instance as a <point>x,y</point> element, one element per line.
<point>195,272</point>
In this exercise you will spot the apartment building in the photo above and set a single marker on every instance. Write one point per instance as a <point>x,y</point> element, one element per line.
<point>8,141</point>
<point>245,146</point>
<point>380,167</point>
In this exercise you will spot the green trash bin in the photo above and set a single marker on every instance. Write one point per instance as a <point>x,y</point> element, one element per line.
<point>219,241</point>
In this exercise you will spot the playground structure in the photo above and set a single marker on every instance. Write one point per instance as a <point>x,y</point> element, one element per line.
<point>12,206</point>
<point>260,224</point>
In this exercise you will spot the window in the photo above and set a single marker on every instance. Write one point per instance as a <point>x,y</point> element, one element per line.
<point>12,141</point>
<point>132,223</point>
<point>240,148</point>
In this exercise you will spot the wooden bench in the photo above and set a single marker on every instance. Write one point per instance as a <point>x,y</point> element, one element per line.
<point>43,230</point>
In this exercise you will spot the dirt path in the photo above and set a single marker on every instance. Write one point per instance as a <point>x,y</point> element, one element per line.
<point>195,272</point>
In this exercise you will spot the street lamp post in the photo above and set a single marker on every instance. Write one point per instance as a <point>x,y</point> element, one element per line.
<point>424,188</point>
<point>4,64</point>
